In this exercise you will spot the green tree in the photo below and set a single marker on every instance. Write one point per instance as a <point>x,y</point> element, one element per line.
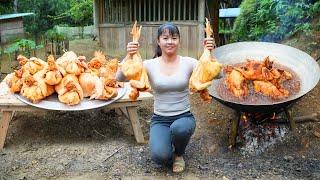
<point>6,6</point>
<point>81,13</point>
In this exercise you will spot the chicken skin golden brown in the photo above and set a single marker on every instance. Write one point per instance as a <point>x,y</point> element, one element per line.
<point>34,87</point>
<point>32,65</point>
<point>69,90</point>
<point>269,89</point>
<point>14,81</point>
<point>257,70</point>
<point>266,79</point>
<point>133,68</point>
<point>206,70</point>
<point>54,73</point>
<point>71,63</point>
<point>236,83</point>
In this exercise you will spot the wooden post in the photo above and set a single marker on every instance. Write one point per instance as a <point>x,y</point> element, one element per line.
<point>4,125</point>
<point>215,19</point>
<point>95,18</point>
<point>201,19</point>
<point>133,115</point>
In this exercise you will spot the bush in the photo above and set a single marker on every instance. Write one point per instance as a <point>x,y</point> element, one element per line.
<point>23,46</point>
<point>272,20</point>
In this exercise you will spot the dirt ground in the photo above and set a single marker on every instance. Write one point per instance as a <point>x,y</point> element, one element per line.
<point>94,144</point>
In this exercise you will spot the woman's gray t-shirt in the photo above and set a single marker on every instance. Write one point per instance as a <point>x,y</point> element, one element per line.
<point>171,93</point>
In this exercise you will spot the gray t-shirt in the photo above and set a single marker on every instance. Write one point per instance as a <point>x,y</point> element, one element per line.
<point>171,93</point>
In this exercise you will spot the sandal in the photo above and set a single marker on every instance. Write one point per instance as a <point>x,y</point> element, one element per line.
<point>178,165</point>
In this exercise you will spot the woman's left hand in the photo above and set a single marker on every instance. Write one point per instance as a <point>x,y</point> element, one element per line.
<point>209,43</point>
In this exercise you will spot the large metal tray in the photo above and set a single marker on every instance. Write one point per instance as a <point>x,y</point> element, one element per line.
<point>52,102</point>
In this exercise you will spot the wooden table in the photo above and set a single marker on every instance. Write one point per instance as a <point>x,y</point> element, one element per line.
<point>10,104</point>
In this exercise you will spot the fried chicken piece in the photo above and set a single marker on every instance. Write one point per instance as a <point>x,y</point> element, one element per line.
<point>54,72</point>
<point>236,82</point>
<point>268,89</point>
<point>71,63</point>
<point>206,70</point>
<point>88,82</point>
<point>279,76</point>
<point>109,69</point>
<point>257,70</point>
<point>97,62</point>
<point>34,87</point>
<point>33,65</point>
<point>133,68</point>
<point>14,81</point>
<point>69,90</point>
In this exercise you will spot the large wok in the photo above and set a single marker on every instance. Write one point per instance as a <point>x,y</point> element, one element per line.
<point>304,65</point>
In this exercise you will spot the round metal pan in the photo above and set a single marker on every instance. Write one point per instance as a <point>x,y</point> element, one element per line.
<point>52,102</point>
<point>300,62</point>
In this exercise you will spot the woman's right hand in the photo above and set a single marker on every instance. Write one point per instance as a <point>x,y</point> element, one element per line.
<point>132,48</point>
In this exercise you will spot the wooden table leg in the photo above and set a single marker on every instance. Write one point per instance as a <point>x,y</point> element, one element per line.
<point>4,124</point>
<point>133,115</point>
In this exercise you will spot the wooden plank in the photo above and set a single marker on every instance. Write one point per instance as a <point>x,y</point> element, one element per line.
<point>11,25</point>
<point>155,2</point>
<point>134,119</point>
<point>150,10</point>
<point>179,10</point>
<point>184,40</point>
<point>201,19</point>
<point>140,10</point>
<point>135,10</point>
<point>130,11</point>
<point>193,38</point>
<point>190,10</point>
<point>195,10</point>
<point>4,125</point>
<point>159,10</point>
<point>169,10</point>
<point>145,10</point>
<point>184,9</point>
<point>164,10</point>
<point>174,10</point>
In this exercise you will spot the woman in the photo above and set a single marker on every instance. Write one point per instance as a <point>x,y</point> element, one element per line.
<point>172,123</point>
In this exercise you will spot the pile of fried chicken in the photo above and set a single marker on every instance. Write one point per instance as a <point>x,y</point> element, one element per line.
<point>206,70</point>
<point>70,76</point>
<point>266,79</point>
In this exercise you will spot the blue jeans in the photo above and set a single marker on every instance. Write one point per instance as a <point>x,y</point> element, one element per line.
<point>170,135</point>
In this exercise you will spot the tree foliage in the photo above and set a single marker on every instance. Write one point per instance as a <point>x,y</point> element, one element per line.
<point>273,20</point>
<point>49,13</point>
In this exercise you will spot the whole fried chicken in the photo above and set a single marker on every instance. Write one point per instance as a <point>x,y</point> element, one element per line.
<point>206,70</point>
<point>71,63</point>
<point>14,81</point>
<point>32,65</point>
<point>69,90</point>
<point>89,81</point>
<point>236,83</point>
<point>54,72</point>
<point>34,87</point>
<point>133,69</point>
<point>97,62</point>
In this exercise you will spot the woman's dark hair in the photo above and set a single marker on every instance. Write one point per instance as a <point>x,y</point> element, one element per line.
<point>173,30</point>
